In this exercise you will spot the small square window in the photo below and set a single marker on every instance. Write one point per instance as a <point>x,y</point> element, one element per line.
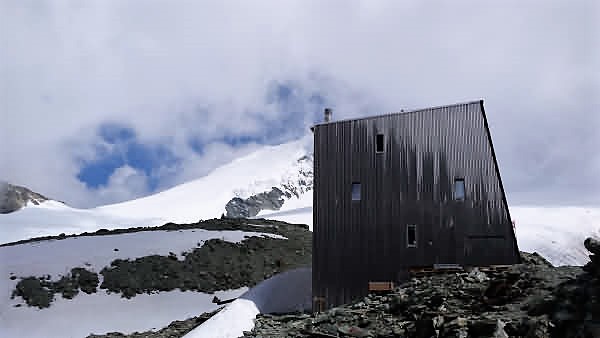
<point>356,191</point>
<point>459,189</point>
<point>411,236</point>
<point>379,146</point>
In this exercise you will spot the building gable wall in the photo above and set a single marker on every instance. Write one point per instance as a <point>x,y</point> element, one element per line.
<point>410,182</point>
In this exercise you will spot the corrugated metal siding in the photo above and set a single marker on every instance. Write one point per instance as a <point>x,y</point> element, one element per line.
<point>411,182</point>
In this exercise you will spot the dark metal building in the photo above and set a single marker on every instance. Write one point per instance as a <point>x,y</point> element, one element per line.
<point>409,189</point>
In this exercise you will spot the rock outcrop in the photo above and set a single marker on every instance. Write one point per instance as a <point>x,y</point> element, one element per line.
<point>39,291</point>
<point>250,207</point>
<point>14,197</point>
<point>576,307</point>
<point>213,265</point>
<point>293,184</point>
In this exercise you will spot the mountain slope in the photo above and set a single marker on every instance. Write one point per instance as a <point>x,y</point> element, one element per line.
<point>249,183</point>
<point>283,166</point>
<point>206,197</point>
<point>52,218</point>
<point>14,197</point>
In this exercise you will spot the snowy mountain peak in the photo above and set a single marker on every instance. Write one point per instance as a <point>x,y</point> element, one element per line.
<point>293,183</point>
<point>287,167</point>
<point>14,197</point>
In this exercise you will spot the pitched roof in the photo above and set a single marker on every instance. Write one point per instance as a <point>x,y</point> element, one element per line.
<point>397,113</point>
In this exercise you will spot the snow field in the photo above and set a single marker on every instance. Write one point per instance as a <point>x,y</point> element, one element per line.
<point>101,312</point>
<point>289,291</point>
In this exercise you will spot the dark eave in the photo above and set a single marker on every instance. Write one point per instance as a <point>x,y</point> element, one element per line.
<point>396,113</point>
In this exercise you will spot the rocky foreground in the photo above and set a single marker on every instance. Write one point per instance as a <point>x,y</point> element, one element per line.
<point>533,299</point>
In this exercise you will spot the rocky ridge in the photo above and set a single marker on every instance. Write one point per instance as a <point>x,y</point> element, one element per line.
<point>298,180</point>
<point>251,206</point>
<point>14,197</point>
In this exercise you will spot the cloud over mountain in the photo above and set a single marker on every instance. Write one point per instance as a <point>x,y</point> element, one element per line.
<point>198,84</point>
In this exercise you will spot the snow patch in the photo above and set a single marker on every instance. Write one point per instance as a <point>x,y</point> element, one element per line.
<point>556,233</point>
<point>294,210</point>
<point>290,291</point>
<point>101,312</point>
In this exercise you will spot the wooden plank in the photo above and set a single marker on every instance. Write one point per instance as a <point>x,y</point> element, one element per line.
<point>447,267</point>
<point>381,286</point>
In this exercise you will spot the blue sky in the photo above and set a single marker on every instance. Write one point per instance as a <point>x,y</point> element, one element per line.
<point>123,148</point>
<point>105,101</point>
<point>128,151</point>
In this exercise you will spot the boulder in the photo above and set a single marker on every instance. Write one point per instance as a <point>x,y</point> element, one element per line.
<point>14,197</point>
<point>593,245</point>
<point>251,206</point>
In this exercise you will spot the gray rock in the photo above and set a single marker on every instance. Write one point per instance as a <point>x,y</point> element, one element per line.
<point>40,291</point>
<point>500,333</point>
<point>292,186</point>
<point>534,259</point>
<point>593,245</point>
<point>250,207</point>
<point>354,331</point>
<point>14,197</point>
<point>35,292</point>
<point>476,276</point>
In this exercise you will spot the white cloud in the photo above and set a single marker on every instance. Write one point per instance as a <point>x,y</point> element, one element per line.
<point>125,183</point>
<point>195,165</point>
<point>203,70</point>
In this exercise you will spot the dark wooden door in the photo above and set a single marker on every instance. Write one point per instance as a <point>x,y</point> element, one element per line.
<point>444,238</point>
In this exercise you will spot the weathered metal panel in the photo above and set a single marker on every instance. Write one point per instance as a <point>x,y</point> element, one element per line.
<point>411,182</point>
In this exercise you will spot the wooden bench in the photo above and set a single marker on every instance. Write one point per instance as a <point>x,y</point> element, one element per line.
<point>435,270</point>
<point>381,286</point>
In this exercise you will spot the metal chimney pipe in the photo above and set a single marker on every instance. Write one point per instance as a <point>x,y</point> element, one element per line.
<point>328,113</point>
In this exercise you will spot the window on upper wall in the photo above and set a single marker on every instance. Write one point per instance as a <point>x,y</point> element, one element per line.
<point>379,143</point>
<point>356,191</point>
<point>411,236</point>
<point>459,189</point>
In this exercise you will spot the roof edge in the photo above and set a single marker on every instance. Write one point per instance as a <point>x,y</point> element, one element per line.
<point>479,102</point>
